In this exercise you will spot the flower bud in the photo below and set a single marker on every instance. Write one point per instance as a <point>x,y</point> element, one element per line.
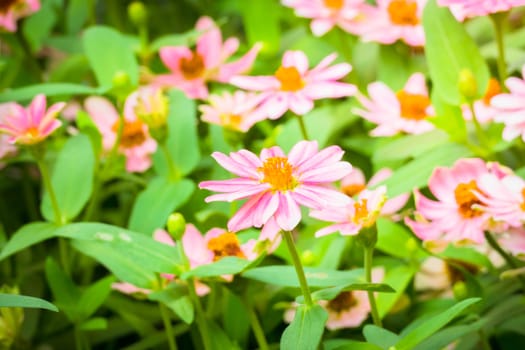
<point>121,80</point>
<point>308,257</point>
<point>176,226</point>
<point>468,87</point>
<point>137,13</point>
<point>460,290</point>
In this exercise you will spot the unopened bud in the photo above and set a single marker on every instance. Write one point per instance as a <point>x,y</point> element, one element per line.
<point>176,226</point>
<point>308,257</point>
<point>121,80</point>
<point>460,290</point>
<point>137,13</point>
<point>467,85</point>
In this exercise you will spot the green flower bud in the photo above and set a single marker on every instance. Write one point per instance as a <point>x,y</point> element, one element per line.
<point>176,226</point>
<point>460,290</point>
<point>137,13</point>
<point>467,85</point>
<point>121,80</point>
<point>308,257</point>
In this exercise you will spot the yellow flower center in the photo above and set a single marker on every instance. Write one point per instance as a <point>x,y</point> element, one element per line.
<point>192,67</point>
<point>403,12</point>
<point>493,89</point>
<point>289,78</point>
<point>334,4</point>
<point>466,198</point>
<point>5,5</point>
<point>342,302</point>
<point>360,212</point>
<point>233,121</point>
<point>278,173</point>
<point>227,244</point>
<point>413,106</point>
<point>353,189</point>
<point>132,134</point>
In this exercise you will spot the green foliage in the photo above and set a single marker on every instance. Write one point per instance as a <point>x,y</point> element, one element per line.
<point>306,329</point>
<point>14,300</point>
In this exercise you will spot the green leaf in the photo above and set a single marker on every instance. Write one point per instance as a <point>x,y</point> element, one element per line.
<point>306,329</point>
<point>448,118</point>
<point>49,89</point>
<point>286,276</point>
<point>109,52</point>
<point>431,326</point>
<point>185,39</point>
<point>396,240</point>
<point>72,178</point>
<point>94,324</point>
<point>446,336</point>
<point>28,235</point>
<point>265,29</point>
<point>229,265</point>
<point>13,300</point>
<point>154,205</point>
<point>380,336</point>
<point>398,278</point>
<point>331,293</point>
<point>175,296</point>
<point>468,255</point>
<point>449,49</point>
<point>37,27</point>
<point>94,295</point>
<point>393,67</point>
<point>77,14</point>
<point>345,344</point>
<point>66,293</point>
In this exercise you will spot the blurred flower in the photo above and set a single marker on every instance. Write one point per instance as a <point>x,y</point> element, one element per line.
<point>148,104</point>
<point>275,184</point>
<point>357,214</point>
<point>404,111</point>
<point>511,108</point>
<point>135,143</point>
<point>31,125</point>
<point>12,10</point>
<point>485,113</point>
<point>462,9</point>
<point>513,241</point>
<point>6,149</point>
<point>190,70</point>
<point>395,20</point>
<point>325,14</point>
<point>237,111</point>
<point>295,87</point>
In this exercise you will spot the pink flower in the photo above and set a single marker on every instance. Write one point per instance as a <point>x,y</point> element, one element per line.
<point>12,10</point>
<point>395,20</point>
<point>485,113</point>
<point>31,125</point>
<point>150,105</point>
<point>514,241</point>
<point>511,108</point>
<point>404,111</point>
<point>325,14</point>
<point>237,111</point>
<point>6,148</point>
<point>456,216</point>
<point>295,87</point>
<point>355,215</point>
<point>135,143</point>
<point>190,70</point>
<point>475,8</point>
<point>275,184</point>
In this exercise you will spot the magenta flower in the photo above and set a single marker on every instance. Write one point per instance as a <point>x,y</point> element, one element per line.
<point>237,111</point>
<point>295,87</point>
<point>12,10</point>
<point>474,8</point>
<point>31,125</point>
<point>485,112</point>
<point>405,111</point>
<point>511,108</point>
<point>135,143</point>
<point>355,215</point>
<point>275,184</point>
<point>191,70</point>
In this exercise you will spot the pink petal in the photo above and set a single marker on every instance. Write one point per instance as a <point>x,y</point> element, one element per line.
<point>288,215</point>
<point>296,59</point>
<point>229,70</point>
<point>37,109</point>
<point>171,56</point>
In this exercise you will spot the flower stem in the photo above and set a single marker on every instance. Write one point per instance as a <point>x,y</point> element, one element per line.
<point>256,326</point>
<point>479,130</point>
<point>49,188</point>
<point>498,20</point>
<point>369,253</point>
<point>298,268</point>
<point>171,167</point>
<point>510,261</point>
<point>167,326</point>
<point>302,126</point>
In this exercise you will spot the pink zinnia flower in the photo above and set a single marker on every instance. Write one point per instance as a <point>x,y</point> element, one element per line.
<point>514,241</point>
<point>475,8</point>
<point>12,10</point>
<point>150,105</point>
<point>395,20</point>
<point>275,184</point>
<point>456,216</point>
<point>485,112</point>
<point>404,111</point>
<point>511,108</point>
<point>30,125</point>
<point>355,215</point>
<point>190,70</point>
<point>135,143</point>
<point>326,14</point>
<point>237,111</point>
<point>295,87</point>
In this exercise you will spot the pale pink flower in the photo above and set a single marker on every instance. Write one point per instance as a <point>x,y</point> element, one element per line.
<point>6,148</point>
<point>31,125</point>
<point>237,111</point>
<point>474,8</point>
<point>191,70</point>
<point>511,108</point>
<point>12,10</point>
<point>295,87</point>
<point>405,111</point>
<point>325,14</point>
<point>355,215</point>
<point>275,184</point>
<point>149,104</point>
<point>135,143</point>
<point>355,182</point>
<point>395,20</point>
<point>456,216</point>
<point>485,112</point>
<point>513,241</point>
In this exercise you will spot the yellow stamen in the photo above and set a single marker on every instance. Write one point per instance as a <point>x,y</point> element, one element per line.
<point>132,134</point>
<point>290,78</point>
<point>192,67</point>
<point>278,173</point>
<point>466,199</point>
<point>232,121</point>
<point>413,106</point>
<point>353,189</point>
<point>334,4</point>
<point>342,302</point>
<point>403,12</point>
<point>361,211</point>
<point>227,244</point>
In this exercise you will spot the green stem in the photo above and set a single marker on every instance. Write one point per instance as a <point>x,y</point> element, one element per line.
<point>302,126</point>
<point>510,261</point>
<point>167,326</point>
<point>256,326</point>
<point>485,344</point>
<point>369,253</point>
<point>298,268</point>
<point>49,188</point>
<point>479,130</point>
<point>498,20</point>
<point>173,175</point>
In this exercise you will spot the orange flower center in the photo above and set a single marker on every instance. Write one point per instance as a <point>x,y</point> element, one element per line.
<point>192,67</point>
<point>342,302</point>
<point>493,89</point>
<point>226,244</point>
<point>413,106</point>
<point>522,206</point>
<point>361,211</point>
<point>233,121</point>
<point>403,12</point>
<point>278,173</point>
<point>334,4</point>
<point>353,189</point>
<point>466,198</point>
<point>289,78</point>
<point>5,5</point>
<point>132,134</point>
